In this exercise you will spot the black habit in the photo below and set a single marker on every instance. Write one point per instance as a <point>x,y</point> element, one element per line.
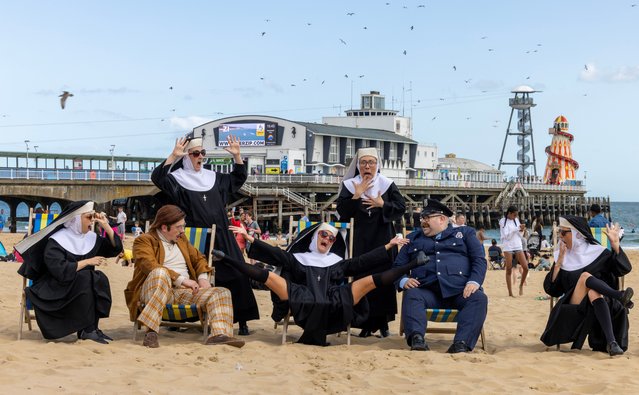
<point>374,228</point>
<point>204,209</point>
<point>573,323</point>
<point>320,300</point>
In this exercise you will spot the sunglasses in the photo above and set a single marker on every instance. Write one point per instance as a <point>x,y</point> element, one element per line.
<point>198,153</point>
<point>563,232</point>
<point>327,235</point>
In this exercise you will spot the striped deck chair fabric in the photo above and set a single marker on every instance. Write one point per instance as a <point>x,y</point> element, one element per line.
<point>443,316</point>
<point>37,222</point>
<point>197,237</point>
<point>601,236</point>
<point>180,312</point>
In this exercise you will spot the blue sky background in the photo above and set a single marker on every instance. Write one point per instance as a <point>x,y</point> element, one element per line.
<point>120,58</point>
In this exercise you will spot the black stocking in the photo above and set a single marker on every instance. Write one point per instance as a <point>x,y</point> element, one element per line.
<point>602,312</point>
<point>597,285</point>
<point>251,271</point>
<point>389,276</point>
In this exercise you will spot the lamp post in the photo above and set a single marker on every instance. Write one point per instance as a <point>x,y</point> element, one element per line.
<point>26,142</point>
<point>112,162</point>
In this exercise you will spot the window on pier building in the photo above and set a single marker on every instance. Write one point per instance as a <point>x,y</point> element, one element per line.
<point>333,152</point>
<point>398,126</point>
<point>392,152</point>
<point>350,149</point>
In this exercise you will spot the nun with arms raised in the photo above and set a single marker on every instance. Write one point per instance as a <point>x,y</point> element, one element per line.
<point>67,293</point>
<point>374,202</point>
<point>203,194</point>
<point>587,275</point>
<point>320,300</point>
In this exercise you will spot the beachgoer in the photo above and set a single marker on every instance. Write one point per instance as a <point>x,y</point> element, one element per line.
<point>459,220</point>
<point>597,219</point>
<point>374,202</point>
<point>481,235</point>
<point>495,254</point>
<point>586,278</point>
<point>170,270</point>
<point>203,195</point>
<point>509,228</point>
<point>68,294</point>
<point>320,301</point>
<point>544,263</point>
<point>120,219</point>
<point>451,280</point>
<point>136,229</point>
<point>126,256</point>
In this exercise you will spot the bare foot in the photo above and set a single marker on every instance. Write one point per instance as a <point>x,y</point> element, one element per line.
<point>521,290</point>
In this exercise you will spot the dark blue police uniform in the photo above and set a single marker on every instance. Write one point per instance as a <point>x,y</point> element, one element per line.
<point>456,258</point>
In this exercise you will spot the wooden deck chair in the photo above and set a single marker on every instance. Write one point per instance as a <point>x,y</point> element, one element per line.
<point>301,225</point>
<point>602,237</point>
<point>37,222</point>
<point>187,315</point>
<point>447,316</point>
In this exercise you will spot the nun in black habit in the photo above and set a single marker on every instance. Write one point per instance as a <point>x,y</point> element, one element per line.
<point>587,275</point>
<point>203,194</point>
<point>374,201</point>
<point>67,293</point>
<point>320,299</point>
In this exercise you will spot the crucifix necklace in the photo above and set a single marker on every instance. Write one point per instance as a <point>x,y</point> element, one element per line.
<point>319,278</point>
<point>204,197</point>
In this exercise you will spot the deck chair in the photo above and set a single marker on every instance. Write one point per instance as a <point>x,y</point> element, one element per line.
<point>495,260</point>
<point>602,237</point>
<point>187,315</point>
<point>447,316</point>
<point>301,225</point>
<point>37,222</point>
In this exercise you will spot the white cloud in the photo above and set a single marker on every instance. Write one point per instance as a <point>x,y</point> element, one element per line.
<point>591,73</point>
<point>187,123</point>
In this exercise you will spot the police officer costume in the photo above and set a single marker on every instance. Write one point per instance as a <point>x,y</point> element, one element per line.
<point>456,259</point>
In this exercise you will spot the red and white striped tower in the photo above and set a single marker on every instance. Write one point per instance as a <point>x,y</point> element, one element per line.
<point>560,166</point>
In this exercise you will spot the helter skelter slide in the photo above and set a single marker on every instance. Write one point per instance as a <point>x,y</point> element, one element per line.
<point>560,166</point>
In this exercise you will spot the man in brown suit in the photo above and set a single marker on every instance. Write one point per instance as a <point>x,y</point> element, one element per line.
<point>170,270</point>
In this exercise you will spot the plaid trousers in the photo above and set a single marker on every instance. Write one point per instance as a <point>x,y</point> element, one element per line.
<point>157,291</point>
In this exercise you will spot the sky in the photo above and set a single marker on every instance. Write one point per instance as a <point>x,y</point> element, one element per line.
<point>145,72</point>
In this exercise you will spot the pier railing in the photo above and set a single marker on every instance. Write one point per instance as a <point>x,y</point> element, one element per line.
<point>272,179</point>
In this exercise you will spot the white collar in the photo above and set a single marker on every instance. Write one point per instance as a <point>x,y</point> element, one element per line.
<point>73,240</point>
<point>314,257</point>
<point>581,254</point>
<point>197,181</point>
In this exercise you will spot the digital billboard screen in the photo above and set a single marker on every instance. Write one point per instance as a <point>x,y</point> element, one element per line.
<point>250,134</point>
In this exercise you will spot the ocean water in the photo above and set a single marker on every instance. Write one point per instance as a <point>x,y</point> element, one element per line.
<point>626,213</point>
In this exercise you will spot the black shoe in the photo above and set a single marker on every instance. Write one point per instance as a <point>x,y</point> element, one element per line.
<point>365,333</point>
<point>614,349</point>
<point>244,330</point>
<point>627,295</point>
<point>458,346</point>
<point>93,335</point>
<point>384,332</point>
<point>417,343</point>
<point>104,335</point>
<point>218,255</point>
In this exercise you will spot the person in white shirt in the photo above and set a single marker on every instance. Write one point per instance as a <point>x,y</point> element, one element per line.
<point>509,228</point>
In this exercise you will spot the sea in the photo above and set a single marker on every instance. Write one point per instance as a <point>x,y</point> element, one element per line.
<point>625,213</point>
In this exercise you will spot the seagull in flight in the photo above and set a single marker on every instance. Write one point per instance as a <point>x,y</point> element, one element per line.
<point>412,27</point>
<point>350,13</point>
<point>361,76</point>
<point>434,118</point>
<point>263,33</point>
<point>454,68</point>
<point>63,98</point>
<point>586,67</point>
<point>345,75</point>
<point>342,41</point>
<point>404,52</point>
<point>421,6</point>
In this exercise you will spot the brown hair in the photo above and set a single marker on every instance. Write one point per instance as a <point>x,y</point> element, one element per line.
<point>167,215</point>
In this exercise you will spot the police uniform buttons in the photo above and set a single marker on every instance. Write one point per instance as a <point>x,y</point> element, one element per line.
<point>438,260</point>
<point>438,273</point>
<point>438,252</point>
<point>453,243</point>
<point>460,272</point>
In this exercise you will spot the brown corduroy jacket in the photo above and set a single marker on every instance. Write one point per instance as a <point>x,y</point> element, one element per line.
<point>149,254</point>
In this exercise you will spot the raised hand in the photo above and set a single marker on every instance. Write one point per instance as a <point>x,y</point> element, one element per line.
<point>614,235</point>
<point>180,148</point>
<point>102,220</point>
<point>398,241</point>
<point>362,187</point>
<point>234,145</point>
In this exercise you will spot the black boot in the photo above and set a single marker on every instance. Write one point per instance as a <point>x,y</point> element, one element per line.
<point>614,349</point>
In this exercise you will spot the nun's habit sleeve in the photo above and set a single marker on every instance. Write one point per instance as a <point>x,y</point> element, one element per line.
<point>554,288</point>
<point>236,178</point>
<point>168,185</point>
<point>58,264</point>
<point>394,204</point>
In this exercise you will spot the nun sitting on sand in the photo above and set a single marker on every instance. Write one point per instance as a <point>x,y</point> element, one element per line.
<point>587,275</point>
<point>320,300</point>
<point>68,294</point>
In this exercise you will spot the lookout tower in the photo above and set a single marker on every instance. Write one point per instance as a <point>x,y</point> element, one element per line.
<point>522,102</point>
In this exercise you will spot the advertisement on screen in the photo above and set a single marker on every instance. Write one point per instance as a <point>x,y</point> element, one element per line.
<point>249,134</point>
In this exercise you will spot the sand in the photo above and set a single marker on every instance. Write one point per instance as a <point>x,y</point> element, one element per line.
<point>515,361</point>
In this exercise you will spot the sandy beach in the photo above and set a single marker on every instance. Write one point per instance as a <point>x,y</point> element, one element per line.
<point>515,361</point>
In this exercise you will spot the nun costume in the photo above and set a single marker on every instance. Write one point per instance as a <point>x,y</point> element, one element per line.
<point>583,267</point>
<point>373,228</point>
<point>67,293</point>
<point>203,194</point>
<point>313,279</point>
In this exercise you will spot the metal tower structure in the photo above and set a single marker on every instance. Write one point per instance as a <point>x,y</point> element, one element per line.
<point>522,102</point>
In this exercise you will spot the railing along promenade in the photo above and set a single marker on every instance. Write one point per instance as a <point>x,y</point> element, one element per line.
<point>282,179</point>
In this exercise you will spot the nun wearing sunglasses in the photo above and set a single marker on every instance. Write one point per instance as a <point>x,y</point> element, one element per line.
<point>585,277</point>
<point>313,278</point>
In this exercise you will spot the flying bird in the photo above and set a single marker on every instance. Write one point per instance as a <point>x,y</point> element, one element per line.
<point>63,98</point>
<point>345,75</point>
<point>434,118</point>
<point>323,81</point>
<point>170,87</point>
<point>361,76</point>
<point>490,49</point>
<point>365,28</point>
<point>267,20</point>
<point>263,33</point>
<point>292,84</point>
<point>586,67</point>
<point>404,52</point>
<point>421,6</point>
<point>350,13</point>
<point>454,68</point>
<point>342,41</point>
<point>468,80</point>
<point>412,27</point>
<point>484,37</point>
<point>308,23</point>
